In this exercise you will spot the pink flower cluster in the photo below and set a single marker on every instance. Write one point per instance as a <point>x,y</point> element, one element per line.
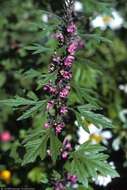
<point>65,92</point>
<point>72,47</point>
<point>71,28</point>
<point>69,60</point>
<point>66,148</point>
<point>72,178</point>
<point>59,128</point>
<point>75,46</point>
<point>56,60</point>
<point>63,110</point>
<point>66,74</point>
<point>60,91</point>
<point>51,89</point>
<point>59,36</point>
<point>59,186</point>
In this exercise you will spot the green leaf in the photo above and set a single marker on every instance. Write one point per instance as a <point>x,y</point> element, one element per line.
<point>17,101</point>
<point>43,148</point>
<point>37,175</point>
<point>32,95</point>
<point>45,79</point>
<point>87,146</point>
<point>33,134</point>
<point>14,153</point>
<point>30,74</point>
<point>86,94</point>
<point>91,6</point>
<point>42,79</point>
<point>97,37</point>
<point>40,106</point>
<point>56,176</point>
<point>87,162</point>
<point>80,121</point>
<point>97,119</point>
<point>38,48</point>
<point>88,107</point>
<point>55,146</point>
<point>36,146</point>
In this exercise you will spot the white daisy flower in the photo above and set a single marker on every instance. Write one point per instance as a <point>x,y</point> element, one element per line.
<point>103,21</point>
<point>96,135</point>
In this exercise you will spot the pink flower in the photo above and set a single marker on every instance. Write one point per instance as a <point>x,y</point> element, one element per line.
<point>63,110</point>
<point>50,105</point>
<point>53,90</point>
<point>56,59</point>
<point>59,128</point>
<point>65,155</point>
<point>62,125</point>
<point>64,92</point>
<point>71,28</point>
<point>59,186</point>
<point>69,60</point>
<point>59,36</point>
<point>46,87</point>
<point>66,74</point>
<point>49,88</point>
<point>5,136</point>
<point>67,144</point>
<point>46,125</point>
<point>72,178</point>
<point>72,47</point>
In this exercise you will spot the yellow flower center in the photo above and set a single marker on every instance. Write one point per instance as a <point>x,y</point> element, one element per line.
<point>96,137</point>
<point>107,19</point>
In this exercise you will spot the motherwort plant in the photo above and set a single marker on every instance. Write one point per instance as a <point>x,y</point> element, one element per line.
<point>54,145</point>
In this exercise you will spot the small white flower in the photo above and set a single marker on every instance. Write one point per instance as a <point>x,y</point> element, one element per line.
<point>112,165</point>
<point>123,87</point>
<point>98,22</point>
<point>103,181</point>
<point>45,18</point>
<point>117,21</point>
<point>116,144</point>
<point>103,21</point>
<point>106,135</point>
<point>78,6</point>
<point>96,135</point>
<point>83,135</point>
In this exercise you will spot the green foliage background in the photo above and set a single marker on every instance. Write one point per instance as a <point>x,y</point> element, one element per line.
<point>102,67</point>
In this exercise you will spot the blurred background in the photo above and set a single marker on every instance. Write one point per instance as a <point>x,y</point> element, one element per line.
<point>102,66</point>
